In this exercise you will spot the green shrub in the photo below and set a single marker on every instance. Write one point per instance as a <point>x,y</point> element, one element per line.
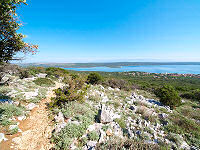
<point>75,91</point>
<point>23,73</point>
<point>195,95</point>
<point>117,83</point>
<point>168,96</point>
<point>93,136</point>
<point>44,82</point>
<point>8,111</point>
<point>94,78</point>
<point>56,72</point>
<point>35,70</point>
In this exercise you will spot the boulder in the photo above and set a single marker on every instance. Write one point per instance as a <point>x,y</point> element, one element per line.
<point>59,118</point>
<point>5,79</point>
<point>106,115</point>
<point>59,127</point>
<point>2,137</point>
<point>41,75</point>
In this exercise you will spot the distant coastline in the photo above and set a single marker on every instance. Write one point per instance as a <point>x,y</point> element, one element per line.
<point>110,65</point>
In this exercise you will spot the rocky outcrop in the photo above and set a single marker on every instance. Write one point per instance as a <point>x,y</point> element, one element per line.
<point>106,114</point>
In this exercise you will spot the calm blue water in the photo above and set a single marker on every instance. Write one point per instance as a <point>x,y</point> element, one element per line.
<point>182,69</point>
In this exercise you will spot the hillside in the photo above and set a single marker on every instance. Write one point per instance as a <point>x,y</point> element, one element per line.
<point>44,108</point>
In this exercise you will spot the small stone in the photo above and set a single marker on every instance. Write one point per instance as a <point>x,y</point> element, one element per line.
<point>109,132</point>
<point>21,118</point>
<point>31,106</point>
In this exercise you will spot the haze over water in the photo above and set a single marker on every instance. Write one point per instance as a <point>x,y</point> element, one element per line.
<point>181,69</point>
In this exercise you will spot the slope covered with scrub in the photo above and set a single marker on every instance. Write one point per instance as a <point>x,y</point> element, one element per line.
<point>96,112</point>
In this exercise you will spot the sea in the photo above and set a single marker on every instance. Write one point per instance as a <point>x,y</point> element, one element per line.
<point>180,69</point>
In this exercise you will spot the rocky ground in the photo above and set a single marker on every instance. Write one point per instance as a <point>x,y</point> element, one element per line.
<point>107,118</point>
<point>118,115</point>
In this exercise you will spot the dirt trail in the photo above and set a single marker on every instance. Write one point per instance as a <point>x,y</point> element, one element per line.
<point>36,129</point>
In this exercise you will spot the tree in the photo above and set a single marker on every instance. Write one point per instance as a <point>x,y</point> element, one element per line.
<point>12,42</point>
<point>94,78</point>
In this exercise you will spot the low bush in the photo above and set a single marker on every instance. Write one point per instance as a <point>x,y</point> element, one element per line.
<point>117,83</point>
<point>23,73</point>
<point>8,111</point>
<point>94,78</point>
<point>195,95</point>
<point>56,72</point>
<point>168,96</point>
<point>74,91</point>
<point>44,82</point>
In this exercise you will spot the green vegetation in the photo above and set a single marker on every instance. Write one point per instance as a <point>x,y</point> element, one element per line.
<point>11,41</point>
<point>94,78</point>
<point>74,91</point>
<point>93,136</point>
<point>116,143</point>
<point>44,82</point>
<point>168,96</point>
<point>182,125</point>
<point>7,111</point>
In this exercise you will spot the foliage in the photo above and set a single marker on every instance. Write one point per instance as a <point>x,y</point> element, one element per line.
<point>35,70</point>
<point>8,111</point>
<point>117,83</point>
<point>74,91</point>
<point>23,73</point>
<point>187,127</point>
<point>93,136</point>
<point>56,72</point>
<point>121,123</point>
<point>132,144</point>
<point>44,82</point>
<point>94,78</point>
<point>195,95</point>
<point>11,42</point>
<point>168,96</point>
<point>14,131</point>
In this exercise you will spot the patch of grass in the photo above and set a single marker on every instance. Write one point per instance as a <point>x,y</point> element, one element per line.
<point>121,122</point>
<point>93,136</point>
<point>44,82</point>
<point>187,127</point>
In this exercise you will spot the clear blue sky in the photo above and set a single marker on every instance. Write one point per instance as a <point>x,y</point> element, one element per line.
<point>112,30</point>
